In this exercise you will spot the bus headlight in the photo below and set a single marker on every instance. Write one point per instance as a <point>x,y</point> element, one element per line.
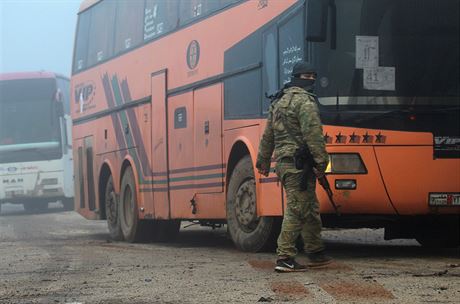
<point>345,163</point>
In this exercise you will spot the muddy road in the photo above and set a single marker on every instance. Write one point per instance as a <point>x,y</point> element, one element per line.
<point>59,257</point>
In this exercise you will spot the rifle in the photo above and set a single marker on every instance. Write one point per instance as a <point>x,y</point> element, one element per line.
<point>304,160</point>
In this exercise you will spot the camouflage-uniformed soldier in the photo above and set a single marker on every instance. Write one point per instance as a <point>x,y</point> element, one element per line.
<point>295,114</point>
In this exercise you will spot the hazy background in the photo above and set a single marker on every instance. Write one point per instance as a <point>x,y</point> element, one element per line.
<point>37,35</point>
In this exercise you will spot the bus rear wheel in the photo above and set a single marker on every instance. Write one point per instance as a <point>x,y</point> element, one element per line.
<point>132,228</point>
<point>248,231</point>
<point>112,211</point>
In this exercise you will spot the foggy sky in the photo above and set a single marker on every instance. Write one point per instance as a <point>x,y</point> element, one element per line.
<point>37,35</point>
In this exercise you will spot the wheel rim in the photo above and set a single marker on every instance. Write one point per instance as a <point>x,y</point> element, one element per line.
<point>245,206</point>
<point>128,203</point>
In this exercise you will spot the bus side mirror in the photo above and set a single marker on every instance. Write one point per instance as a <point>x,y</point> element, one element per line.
<point>317,11</point>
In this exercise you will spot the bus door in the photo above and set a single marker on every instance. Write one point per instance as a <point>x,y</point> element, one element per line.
<point>181,153</point>
<point>208,140</point>
<point>84,177</point>
<point>160,146</point>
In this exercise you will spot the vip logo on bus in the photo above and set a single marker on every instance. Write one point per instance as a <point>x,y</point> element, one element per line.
<point>193,54</point>
<point>447,143</point>
<point>84,94</point>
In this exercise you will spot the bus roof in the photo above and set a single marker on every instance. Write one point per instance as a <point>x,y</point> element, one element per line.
<point>29,75</point>
<point>85,4</point>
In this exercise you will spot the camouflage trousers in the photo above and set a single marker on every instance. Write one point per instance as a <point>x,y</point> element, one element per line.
<point>301,216</point>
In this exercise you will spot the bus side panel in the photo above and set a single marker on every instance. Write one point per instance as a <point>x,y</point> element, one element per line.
<point>411,173</point>
<point>209,167</point>
<point>181,158</point>
<point>269,192</point>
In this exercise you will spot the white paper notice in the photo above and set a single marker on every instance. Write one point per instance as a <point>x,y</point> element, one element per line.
<point>380,78</point>
<point>367,52</point>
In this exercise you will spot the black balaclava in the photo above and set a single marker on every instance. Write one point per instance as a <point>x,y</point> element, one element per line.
<point>306,84</point>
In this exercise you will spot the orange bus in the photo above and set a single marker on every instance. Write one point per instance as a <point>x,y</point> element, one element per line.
<point>169,103</point>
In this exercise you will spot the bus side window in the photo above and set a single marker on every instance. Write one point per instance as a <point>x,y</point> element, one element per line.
<point>195,9</point>
<point>128,34</point>
<point>81,43</point>
<point>160,17</point>
<point>101,32</point>
<point>291,45</point>
<point>270,68</point>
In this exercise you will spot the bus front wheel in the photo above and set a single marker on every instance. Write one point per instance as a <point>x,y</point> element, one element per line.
<point>112,211</point>
<point>248,231</point>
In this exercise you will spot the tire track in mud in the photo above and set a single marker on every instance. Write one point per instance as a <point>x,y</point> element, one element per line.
<point>327,284</point>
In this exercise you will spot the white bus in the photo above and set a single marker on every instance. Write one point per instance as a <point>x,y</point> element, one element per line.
<point>35,140</point>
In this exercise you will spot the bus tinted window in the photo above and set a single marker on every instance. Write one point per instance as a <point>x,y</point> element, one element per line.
<point>291,46</point>
<point>160,17</point>
<point>29,102</point>
<point>194,9</point>
<point>101,32</point>
<point>128,24</point>
<point>418,47</point>
<point>81,43</point>
<point>270,67</point>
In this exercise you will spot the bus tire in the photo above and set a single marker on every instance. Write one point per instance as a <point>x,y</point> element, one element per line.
<point>112,211</point>
<point>132,228</point>
<point>248,231</point>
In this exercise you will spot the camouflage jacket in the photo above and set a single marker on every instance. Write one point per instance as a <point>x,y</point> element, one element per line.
<point>302,118</point>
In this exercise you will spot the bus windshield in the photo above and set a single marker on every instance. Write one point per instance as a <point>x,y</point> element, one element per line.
<point>29,123</point>
<point>390,52</point>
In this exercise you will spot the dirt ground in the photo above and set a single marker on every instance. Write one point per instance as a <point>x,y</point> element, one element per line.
<point>59,257</point>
